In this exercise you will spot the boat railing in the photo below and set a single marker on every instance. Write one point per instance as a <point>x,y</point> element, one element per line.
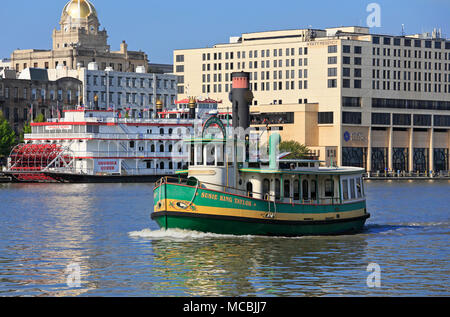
<point>236,191</point>
<point>128,172</point>
<point>110,136</point>
<point>132,155</point>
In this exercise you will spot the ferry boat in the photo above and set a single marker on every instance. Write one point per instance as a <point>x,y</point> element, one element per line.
<point>223,194</point>
<point>94,145</point>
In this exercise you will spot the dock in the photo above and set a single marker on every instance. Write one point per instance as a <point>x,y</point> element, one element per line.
<point>404,176</point>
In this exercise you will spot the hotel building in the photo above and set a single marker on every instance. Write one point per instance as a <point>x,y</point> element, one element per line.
<point>381,102</point>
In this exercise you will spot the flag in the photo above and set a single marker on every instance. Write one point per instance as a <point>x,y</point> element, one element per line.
<point>31,113</point>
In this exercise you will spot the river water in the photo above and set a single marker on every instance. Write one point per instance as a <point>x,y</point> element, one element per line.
<point>99,240</point>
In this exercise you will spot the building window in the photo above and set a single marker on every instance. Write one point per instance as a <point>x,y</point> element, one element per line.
<point>332,60</point>
<point>401,119</point>
<point>346,83</point>
<point>351,117</point>
<point>381,118</point>
<point>332,72</point>
<point>354,102</point>
<point>422,120</point>
<point>332,49</point>
<point>325,118</point>
<point>346,72</point>
<point>332,83</point>
<point>441,121</point>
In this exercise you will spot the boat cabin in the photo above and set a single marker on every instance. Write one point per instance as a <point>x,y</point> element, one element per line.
<point>212,163</point>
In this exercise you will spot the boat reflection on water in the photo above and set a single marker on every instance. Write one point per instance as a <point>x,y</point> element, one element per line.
<point>205,264</point>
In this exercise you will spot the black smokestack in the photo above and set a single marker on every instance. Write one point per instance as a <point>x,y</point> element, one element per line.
<point>241,98</point>
<point>96,103</point>
<point>192,106</point>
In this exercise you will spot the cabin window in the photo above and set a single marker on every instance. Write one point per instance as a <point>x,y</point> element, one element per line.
<point>161,165</point>
<point>192,152</point>
<point>250,189</point>
<point>313,190</point>
<point>266,187</point>
<point>220,155</point>
<point>287,189</point>
<point>305,190</point>
<point>210,155</point>
<point>277,189</point>
<point>199,155</point>
<point>296,190</point>
<point>359,187</point>
<point>131,144</point>
<point>345,189</point>
<point>161,131</point>
<point>149,164</point>
<point>161,148</point>
<point>329,188</point>
<point>152,148</point>
<point>352,188</point>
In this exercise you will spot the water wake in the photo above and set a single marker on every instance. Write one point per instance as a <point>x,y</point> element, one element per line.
<point>176,234</point>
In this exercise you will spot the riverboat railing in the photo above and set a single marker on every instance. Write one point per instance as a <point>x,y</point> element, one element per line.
<point>237,191</point>
<point>128,172</point>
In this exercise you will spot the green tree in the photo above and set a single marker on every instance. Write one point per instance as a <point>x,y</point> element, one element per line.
<point>26,130</point>
<point>298,151</point>
<point>39,118</point>
<point>7,137</point>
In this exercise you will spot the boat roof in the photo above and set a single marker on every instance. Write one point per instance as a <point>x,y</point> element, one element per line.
<point>314,171</point>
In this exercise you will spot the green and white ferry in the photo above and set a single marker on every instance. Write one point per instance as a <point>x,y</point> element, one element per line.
<point>274,198</point>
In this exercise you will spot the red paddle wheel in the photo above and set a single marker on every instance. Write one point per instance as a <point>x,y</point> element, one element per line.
<point>29,162</point>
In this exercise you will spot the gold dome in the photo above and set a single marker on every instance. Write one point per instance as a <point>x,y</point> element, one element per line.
<point>78,9</point>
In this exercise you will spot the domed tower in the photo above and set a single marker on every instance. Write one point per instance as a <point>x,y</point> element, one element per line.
<point>79,13</point>
<point>80,27</point>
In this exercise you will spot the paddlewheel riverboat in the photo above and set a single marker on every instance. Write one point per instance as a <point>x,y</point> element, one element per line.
<point>225,192</point>
<point>89,145</point>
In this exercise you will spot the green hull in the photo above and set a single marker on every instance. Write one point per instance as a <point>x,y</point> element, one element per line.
<point>223,216</point>
<point>241,227</point>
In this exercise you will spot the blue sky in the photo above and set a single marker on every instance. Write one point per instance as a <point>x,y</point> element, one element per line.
<point>159,27</point>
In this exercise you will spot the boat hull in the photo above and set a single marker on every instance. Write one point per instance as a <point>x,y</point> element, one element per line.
<point>53,177</point>
<point>185,207</point>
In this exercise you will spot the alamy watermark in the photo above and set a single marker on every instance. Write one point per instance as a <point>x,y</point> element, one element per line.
<point>374,278</point>
<point>73,272</point>
<point>374,18</point>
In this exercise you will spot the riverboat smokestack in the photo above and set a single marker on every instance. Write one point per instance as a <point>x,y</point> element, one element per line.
<point>159,108</point>
<point>241,97</point>
<point>192,107</point>
<point>96,103</point>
